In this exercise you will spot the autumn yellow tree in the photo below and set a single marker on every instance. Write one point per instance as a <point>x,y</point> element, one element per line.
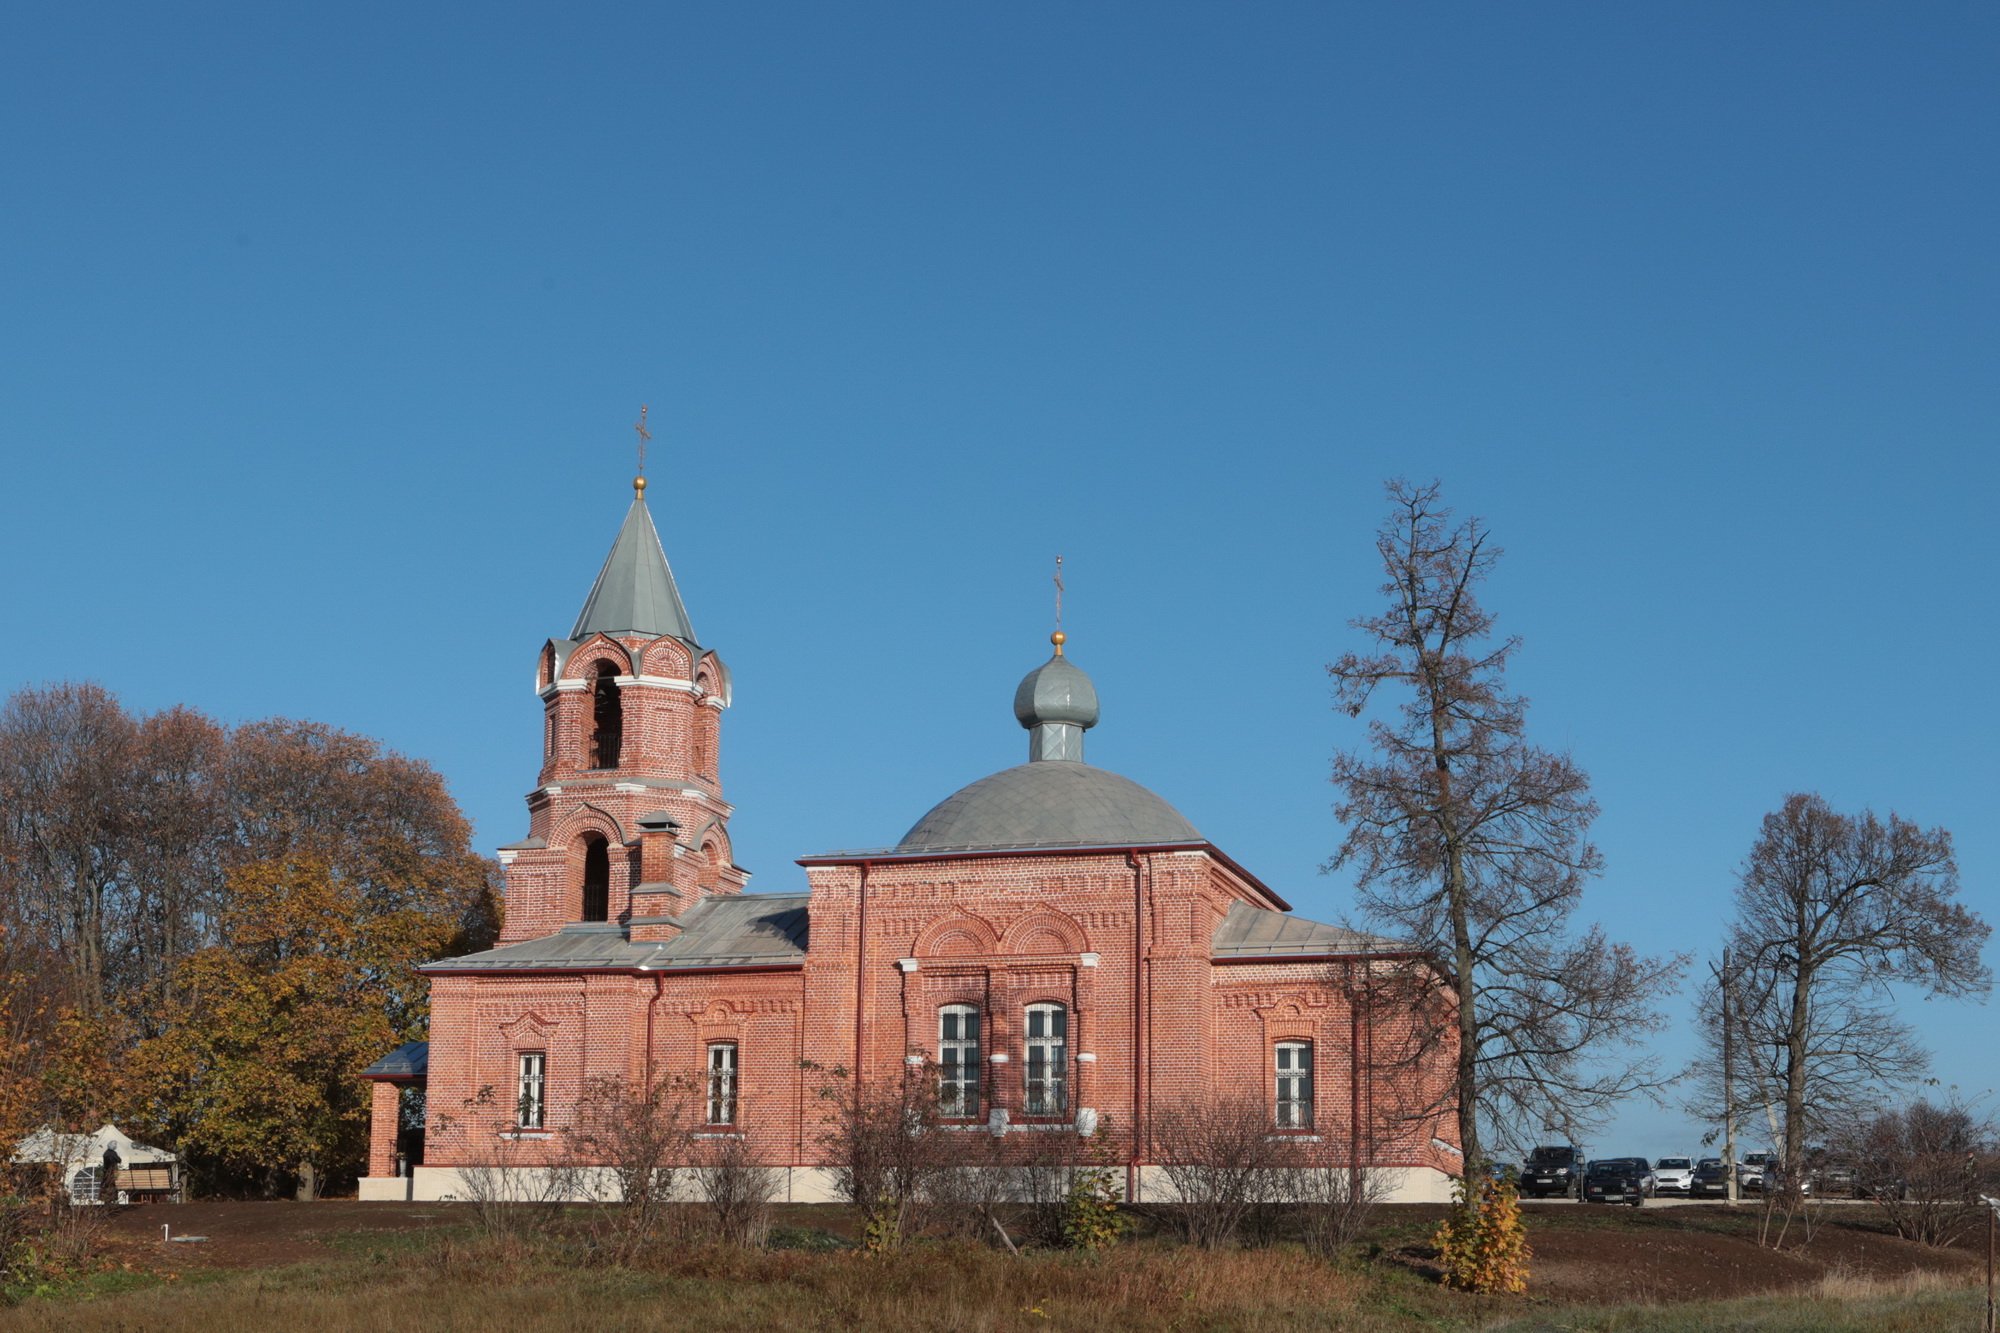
<point>256,1075</point>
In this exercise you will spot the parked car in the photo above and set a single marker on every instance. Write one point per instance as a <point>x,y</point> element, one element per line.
<point>1504,1171</point>
<point>1750,1171</point>
<point>1835,1179</point>
<point>1710,1179</point>
<point>1553,1170</point>
<point>1616,1180</point>
<point>1673,1175</point>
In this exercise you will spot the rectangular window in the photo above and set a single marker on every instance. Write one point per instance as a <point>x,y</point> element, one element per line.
<point>722,1083</point>
<point>1048,1060</point>
<point>1295,1085</point>
<point>528,1105</point>
<point>958,1062</point>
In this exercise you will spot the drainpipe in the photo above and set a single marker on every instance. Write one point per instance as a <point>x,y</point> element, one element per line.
<point>860,970</point>
<point>659,988</point>
<point>1353,1074</point>
<point>1140,1034</point>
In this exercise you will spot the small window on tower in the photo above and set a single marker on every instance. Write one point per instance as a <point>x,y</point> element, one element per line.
<point>596,880</point>
<point>607,717</point>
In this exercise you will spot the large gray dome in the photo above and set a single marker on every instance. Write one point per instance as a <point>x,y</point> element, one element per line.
<point>1050,803</point>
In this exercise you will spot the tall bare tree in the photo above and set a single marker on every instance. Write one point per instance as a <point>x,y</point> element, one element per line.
<point>1473,845</point>
<point>1833,912</point>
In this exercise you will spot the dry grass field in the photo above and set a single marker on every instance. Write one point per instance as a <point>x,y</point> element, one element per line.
<point>303,1268</point>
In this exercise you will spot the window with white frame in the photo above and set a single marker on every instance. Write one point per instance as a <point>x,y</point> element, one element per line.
<point>528,1104</point>
<point>722,1083</point>
<point>958,1061</point>
<point>1295,1085</point>
<point>1048,1060</point>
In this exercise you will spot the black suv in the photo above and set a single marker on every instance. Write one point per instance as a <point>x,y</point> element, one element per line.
<point>1557,1170</point>
<point>1711,1177</point>
<point>1616,1180</point>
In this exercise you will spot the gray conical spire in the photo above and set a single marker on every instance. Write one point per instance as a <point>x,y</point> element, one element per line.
<point>635,592</point>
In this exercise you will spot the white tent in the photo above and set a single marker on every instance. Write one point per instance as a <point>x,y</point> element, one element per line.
<point>80,1157</point>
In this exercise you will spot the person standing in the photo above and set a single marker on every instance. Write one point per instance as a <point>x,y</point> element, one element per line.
<point>107,1178</point>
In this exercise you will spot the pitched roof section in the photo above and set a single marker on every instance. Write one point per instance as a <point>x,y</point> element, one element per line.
<point>411,1060</point>
<point>728,930</point>
<point>635,592</point>
<point>1253,932</point>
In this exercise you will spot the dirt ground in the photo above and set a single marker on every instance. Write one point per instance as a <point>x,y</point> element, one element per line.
<point>1597,1255</point>
<point>1601,1254</point>
<point>258,1235</point>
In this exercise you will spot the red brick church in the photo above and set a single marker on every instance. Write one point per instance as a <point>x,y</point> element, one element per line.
<point>1056,944</point>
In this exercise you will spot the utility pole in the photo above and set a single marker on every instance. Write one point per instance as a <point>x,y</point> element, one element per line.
<point>1729,1084</point>
<point>1992,1213</point>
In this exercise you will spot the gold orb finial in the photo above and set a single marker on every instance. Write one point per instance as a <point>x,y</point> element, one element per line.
<point>1059,639</point>
<point>638,488</point>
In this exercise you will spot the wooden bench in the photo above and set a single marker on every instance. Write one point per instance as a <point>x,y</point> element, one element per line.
<point>148,1181</point>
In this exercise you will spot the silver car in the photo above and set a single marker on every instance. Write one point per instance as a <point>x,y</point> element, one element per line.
<point>1674,1175</point>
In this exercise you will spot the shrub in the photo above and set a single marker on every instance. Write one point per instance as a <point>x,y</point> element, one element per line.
<point>1483,1245</point>
<point>1090,1216</point>
<point>736,1189</point>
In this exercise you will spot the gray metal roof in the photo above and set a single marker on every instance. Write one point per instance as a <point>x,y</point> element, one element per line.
<point>410,1060</point>
<point>1056,691</point>
<point>1254,932</point>
<point>728,930</point>
<point>1047,802</point>
<point>635,592</point>
<point>741,929</point>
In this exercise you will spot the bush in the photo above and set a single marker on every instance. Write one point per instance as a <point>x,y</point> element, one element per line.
<point>1483,1245</point>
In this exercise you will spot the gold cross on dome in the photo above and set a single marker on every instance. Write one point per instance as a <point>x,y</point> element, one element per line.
<point>644,435</point>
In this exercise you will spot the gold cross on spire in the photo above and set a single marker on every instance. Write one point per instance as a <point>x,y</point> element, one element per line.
<point>639,482</point>
<point>1058,638</point>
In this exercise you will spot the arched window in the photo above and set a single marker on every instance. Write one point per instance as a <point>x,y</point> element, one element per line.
<point>1048,1060</point>
<point>607,717</point>
<point>958,1062</point>
<point>722,1083</point>
<point>1295,1085</point>
<point>596,880</point>
<point>704,751</point>
<point>529,1107</point>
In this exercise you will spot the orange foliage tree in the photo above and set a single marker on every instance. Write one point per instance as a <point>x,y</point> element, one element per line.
<point>256,1075</point>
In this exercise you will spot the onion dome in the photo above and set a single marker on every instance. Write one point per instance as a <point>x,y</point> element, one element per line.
<point>1055,798</point>
<point>1056,703</point>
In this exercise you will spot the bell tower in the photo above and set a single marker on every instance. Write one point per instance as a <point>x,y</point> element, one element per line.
<point>627,827</point>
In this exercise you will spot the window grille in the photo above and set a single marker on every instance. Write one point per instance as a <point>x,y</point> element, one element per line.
<point>1295,1085</point>
<point>1048,1060</point>
<point>529,1105</point>
<point>722,1083</point>
<point>958,1061</point>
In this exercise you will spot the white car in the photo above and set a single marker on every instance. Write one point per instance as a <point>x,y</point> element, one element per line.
<point>1673,1175</point>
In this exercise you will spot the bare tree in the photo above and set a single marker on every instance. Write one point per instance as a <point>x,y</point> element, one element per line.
<point>1332,1194</point>
<point>736,1186</point>
<point>514,1185</point>
<point>1925,1166</point>
<point>1832,912</point>
<point>1473,845</point>
<point>1222,1163</point>
<point>889,1154</point>
<point>630,1142</point>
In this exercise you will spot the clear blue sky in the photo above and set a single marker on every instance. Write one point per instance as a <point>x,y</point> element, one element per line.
<point>323,332</point>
